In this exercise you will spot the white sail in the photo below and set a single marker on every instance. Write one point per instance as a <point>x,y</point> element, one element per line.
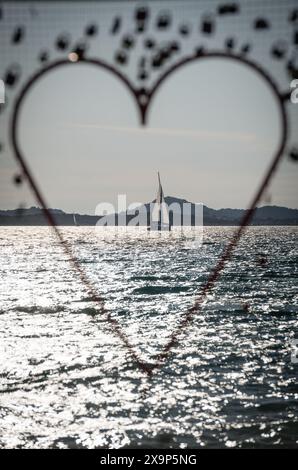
<point>165,214</point>
<point>155,212</point>
<point>75,219</point>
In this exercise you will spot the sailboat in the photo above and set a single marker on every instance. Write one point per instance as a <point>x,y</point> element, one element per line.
<point>160,220</point>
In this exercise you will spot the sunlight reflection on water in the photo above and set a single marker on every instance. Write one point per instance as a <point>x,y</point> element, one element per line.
<point>67,381</point>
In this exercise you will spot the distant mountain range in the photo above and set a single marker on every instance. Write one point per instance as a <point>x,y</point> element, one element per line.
<point>266,215</point>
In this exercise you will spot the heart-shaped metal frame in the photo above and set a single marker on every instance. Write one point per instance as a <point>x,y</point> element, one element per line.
<point>143,98</point>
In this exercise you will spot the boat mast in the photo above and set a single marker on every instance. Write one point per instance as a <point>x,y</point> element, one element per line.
<point>160,197</point>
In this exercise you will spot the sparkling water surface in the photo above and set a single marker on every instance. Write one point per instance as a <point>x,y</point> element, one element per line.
<point>68,381</point>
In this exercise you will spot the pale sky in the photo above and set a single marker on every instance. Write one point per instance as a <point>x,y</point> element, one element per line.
<point>212,130</point>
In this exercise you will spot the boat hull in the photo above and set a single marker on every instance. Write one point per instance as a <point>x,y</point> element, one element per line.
<point>157,227</point>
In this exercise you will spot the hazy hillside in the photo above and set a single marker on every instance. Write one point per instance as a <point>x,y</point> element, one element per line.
<point>266,215</point>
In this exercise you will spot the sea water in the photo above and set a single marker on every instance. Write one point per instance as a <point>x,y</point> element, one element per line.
<point>67,380</point>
